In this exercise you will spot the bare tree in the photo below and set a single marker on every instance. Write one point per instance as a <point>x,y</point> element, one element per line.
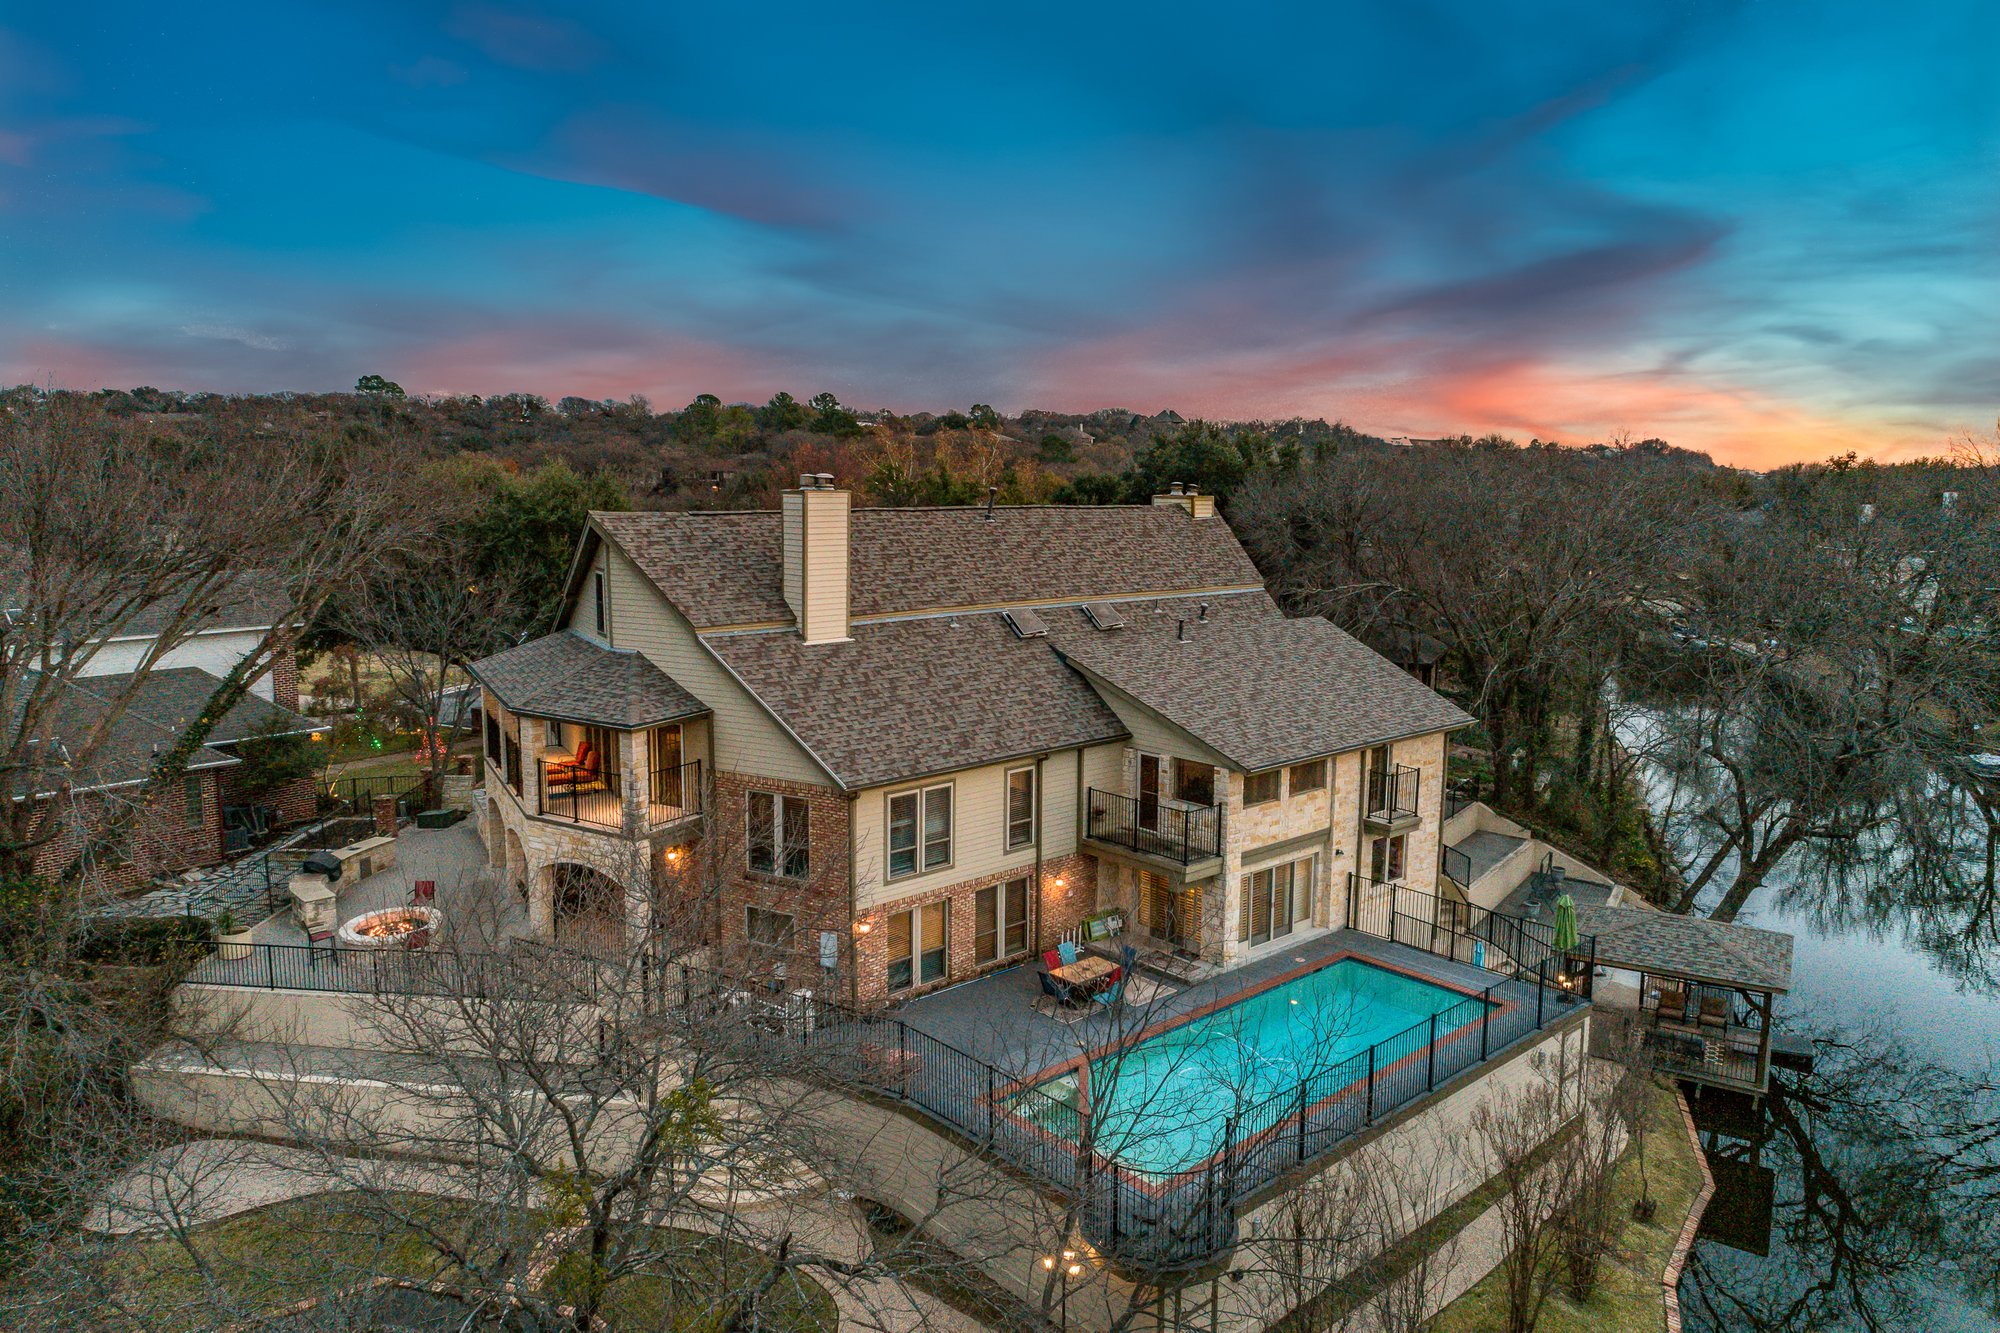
<point>110,528</point>
<point>1514,1130</point>
<point>422,618</point>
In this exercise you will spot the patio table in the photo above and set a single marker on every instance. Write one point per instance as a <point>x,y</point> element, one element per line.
<point>1086,974</point>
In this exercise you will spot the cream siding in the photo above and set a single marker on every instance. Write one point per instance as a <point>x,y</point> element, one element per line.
<point>747,738</point>
<point>979,829</point>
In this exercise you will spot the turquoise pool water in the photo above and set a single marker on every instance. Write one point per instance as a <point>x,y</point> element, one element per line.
<point>1164,1105</point>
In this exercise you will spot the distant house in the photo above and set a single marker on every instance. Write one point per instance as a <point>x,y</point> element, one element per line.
<point>194,824</point>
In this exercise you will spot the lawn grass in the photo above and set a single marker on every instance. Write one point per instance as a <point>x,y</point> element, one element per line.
<point>285,1253</point>
<point>696,1282</point>
<point>274,1257</point>
<point>1627,1298</point>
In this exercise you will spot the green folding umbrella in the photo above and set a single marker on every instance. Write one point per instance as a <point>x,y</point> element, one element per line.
<point>1565,940</point>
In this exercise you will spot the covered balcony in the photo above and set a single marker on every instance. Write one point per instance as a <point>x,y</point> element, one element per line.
<point>594,737</point>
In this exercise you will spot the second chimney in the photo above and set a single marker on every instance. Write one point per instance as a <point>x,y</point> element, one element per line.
<point>816,521</point>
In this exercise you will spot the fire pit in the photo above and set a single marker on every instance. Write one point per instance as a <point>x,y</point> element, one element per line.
<point>393,928</point>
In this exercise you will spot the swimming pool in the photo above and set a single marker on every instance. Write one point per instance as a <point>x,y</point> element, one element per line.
<point>1167,1103</point>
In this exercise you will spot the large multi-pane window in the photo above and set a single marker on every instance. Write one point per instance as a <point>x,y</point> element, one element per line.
<point>1261,787</point>
<point>780,835</point>
<point>917,944</point>
<point>919,830</point>
<point>1306,777</point>
<point>191,797</point>
<point>1000,921</point>
<point>1275,901</point>
<point>1194,781</point>
<point>770,930</point>
<point>1385,859</point>
<point>1020,807</point>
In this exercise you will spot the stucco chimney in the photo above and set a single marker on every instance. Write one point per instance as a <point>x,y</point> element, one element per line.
<point>816,558</point>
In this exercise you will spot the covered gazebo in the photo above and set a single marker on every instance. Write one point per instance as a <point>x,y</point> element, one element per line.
<point>1706,989</point>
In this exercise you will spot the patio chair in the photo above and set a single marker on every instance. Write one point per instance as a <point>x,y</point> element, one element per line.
<point>318,943</point>
<point>1673,1003</point>
<point>1067,951</point>
<point>1053,990</point>
<point>1715,1011</point>
<point>1051,959</point>
<point>1128,958</point>
<point>580,771</point>
<point>1113,989</point>
<point>424,893</point>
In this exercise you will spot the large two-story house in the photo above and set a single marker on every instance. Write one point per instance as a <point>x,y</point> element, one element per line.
<point>924,743</point>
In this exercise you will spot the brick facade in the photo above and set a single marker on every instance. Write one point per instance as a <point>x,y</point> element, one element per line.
<point>819,902</point>
<point>160,839</point>
<point>1069,894</point>
<point>296,801</point>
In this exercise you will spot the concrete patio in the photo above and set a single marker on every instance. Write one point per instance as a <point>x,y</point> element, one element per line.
<point>479,913</point>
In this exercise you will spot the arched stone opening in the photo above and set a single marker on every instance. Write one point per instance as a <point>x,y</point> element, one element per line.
<point>588,908</point>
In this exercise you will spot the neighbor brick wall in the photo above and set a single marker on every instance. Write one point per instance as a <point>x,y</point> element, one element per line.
<point>296,801</point>
<point>285,680</point>
<point>159,840</point>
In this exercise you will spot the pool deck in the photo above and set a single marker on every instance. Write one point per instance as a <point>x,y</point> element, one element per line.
<point>995,1017</point>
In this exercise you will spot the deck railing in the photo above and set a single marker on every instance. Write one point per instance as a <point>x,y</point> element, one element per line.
<point>594,799</point>
<point>1154,826</point>
<point>676,792</point>
<point>1392,792</point>
<point>1465,933</point>
<point>1457,867</point>
<point>542,972</point>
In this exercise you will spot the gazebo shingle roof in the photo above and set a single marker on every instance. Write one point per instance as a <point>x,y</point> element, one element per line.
<point>1691,947</point>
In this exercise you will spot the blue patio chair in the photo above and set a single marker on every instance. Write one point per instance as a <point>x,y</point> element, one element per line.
<point>1111,994</point>
<point>1054,990</point>
<point>1066,950</point>
<point>1129,956</point>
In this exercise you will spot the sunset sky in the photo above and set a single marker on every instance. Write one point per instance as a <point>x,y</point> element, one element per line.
<point>1766,229</point>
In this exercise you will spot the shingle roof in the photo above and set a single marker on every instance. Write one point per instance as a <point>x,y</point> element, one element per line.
<point>153,720</point>
<point>1257,688</point>
<point>566,676</point>
<point>1691,947</point>
<point>174,695</point>
<point>909,698</point>
<point>725,568</point>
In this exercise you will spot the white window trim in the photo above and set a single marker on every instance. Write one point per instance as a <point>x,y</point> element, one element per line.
<point>1007,842</point>
<point>1001,953</point>
<point>889,871</point>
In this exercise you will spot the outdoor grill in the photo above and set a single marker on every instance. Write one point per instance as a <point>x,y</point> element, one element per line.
<point>322,863</point>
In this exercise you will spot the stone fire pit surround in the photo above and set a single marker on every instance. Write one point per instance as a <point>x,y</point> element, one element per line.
<point>414,928</point>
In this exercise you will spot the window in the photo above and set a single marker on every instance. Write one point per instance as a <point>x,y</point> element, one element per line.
<point>916,947</point>
<point>191,794</point>
<point>919,830</point>
<point>1261,787</point>
<point>492,738</point>
<point>780,835</point>
<point>771,930</point>
<point>1020,807</point>
<point>1276,900</point>
<point>1307,777</point>
<point>1194,782</point>
<point>597,598</point>
<point>1000,921</point>
<point>1385,863</point>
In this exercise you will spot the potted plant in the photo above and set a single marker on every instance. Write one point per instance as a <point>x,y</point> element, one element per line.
<point>231,943</point>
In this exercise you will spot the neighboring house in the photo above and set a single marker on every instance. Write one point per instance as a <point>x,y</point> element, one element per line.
<point>929,742</point>
<point>169,830</point>
<point>230,632</point>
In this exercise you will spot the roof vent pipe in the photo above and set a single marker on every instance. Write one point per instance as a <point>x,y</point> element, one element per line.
<point>1175,488</point>
<point>1180,630</point>
<point>1202,615</point>
<point>808,481</point>
<point>825,480</point>
<point>992,494</point>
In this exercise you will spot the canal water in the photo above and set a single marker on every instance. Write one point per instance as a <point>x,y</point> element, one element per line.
<point>1872,990</point>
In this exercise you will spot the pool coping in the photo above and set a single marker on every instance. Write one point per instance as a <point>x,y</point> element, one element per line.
<point>1158,1185</point>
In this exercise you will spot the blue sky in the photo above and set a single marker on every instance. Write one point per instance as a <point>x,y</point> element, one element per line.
<point>1768,229</point>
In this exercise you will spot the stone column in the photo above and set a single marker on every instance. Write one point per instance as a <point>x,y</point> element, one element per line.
<point>385,816</point>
